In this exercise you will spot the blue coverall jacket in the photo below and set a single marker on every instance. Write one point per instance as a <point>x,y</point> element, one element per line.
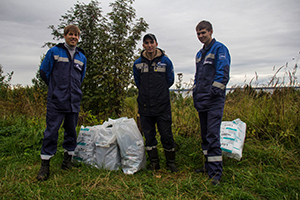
<point>63,76</point>
<point>212,76</point>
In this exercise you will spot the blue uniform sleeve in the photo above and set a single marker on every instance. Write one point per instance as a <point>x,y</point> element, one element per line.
<point>170,72</point>
<point>136,76</point>
<point>46,66</point>
<point>222,65</point>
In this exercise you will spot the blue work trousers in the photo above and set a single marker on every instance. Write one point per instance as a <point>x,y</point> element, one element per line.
<point>210,122</point>
<point>54,120</point>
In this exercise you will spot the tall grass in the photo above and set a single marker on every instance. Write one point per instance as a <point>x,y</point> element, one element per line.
<point>266,171</point>
<point>22,101</point>
<point>269,168</point>
<point>268,116</point>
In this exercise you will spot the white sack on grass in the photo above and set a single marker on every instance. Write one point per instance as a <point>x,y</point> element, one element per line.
<point>131,143</point>
<point>113,144</point>
<point>107,151</point>
<point>84,151</point>
<point>232,137</point>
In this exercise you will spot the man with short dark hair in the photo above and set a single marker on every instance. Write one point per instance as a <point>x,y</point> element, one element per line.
<point>211,78</point>
<point>154,75</point>
<point>63,70</point>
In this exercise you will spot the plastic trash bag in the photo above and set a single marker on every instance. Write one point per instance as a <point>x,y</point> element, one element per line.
<point>232,137</point>
<point>84,151</point>
<point>113,144</point>
<point>107,151</point>
<point>131,144</point>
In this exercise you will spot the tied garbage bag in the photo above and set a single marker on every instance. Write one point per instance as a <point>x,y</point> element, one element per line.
<point>232,137</point>
<point>84,151</point>
<point>131,144</point>
<point>107,151</point>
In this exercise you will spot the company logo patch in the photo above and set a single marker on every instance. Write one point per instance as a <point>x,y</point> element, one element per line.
<point>208,62</point>
<point>77,66</point>
<point>222,56</point>
<point>161,64</point>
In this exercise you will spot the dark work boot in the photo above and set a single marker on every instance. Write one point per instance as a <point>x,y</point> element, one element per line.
<point>153,156</point>
<point>67,164</point>
<point>170,158</point>
<point>44,171</point>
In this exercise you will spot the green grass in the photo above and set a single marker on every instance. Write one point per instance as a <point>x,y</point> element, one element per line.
<point>268,170</point>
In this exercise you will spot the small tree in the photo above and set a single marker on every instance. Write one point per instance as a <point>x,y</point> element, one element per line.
<point>109,43</point>
<point>123,37</point>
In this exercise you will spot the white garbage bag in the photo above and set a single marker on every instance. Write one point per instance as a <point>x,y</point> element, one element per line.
<point>131,144</point>
<point>232,137</point>
<point>107,151</point>
<point>113,144</point>
<point>84,151</point>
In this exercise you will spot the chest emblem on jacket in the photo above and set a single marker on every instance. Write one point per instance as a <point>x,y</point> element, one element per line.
<point>160,67</point>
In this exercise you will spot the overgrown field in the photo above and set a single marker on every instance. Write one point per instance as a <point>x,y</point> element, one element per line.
<point>269,168</point>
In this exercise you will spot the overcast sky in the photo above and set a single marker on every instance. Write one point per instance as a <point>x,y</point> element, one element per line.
<point>260,35</point>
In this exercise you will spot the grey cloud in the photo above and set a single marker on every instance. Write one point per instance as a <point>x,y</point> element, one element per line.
<point>259,34</point>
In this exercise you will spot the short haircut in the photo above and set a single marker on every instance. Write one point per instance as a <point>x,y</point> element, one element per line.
<point>204,25</point>
<point>71,28</point>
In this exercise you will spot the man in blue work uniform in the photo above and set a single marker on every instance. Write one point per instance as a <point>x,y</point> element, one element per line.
<point>63,70</point>
<point>211,78</point>
<point>154,75</point>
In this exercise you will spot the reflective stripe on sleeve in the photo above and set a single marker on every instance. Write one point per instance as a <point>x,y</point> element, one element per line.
<point>205,152</point>
<point>219,85</point>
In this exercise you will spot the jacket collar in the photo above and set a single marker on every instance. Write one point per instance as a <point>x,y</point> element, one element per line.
<point>77,49</point>
<point>210,44</point>
<point>159,53</point>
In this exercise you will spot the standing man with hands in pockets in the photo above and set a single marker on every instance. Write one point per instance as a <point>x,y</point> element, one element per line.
<point>211,78</point>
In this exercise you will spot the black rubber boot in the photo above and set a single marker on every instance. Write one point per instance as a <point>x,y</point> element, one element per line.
<point>67,164</point>
<point>170,158</point>
<point>44,171</point>
<point>153,156</point>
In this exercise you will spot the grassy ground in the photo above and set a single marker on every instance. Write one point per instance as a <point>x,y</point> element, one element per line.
<point>267,171</point>
<point>269,168</point>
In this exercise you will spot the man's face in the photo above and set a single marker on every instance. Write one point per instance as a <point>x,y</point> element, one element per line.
<point>204,36</point>
<point>71,38</point>
<point>150,45</point>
